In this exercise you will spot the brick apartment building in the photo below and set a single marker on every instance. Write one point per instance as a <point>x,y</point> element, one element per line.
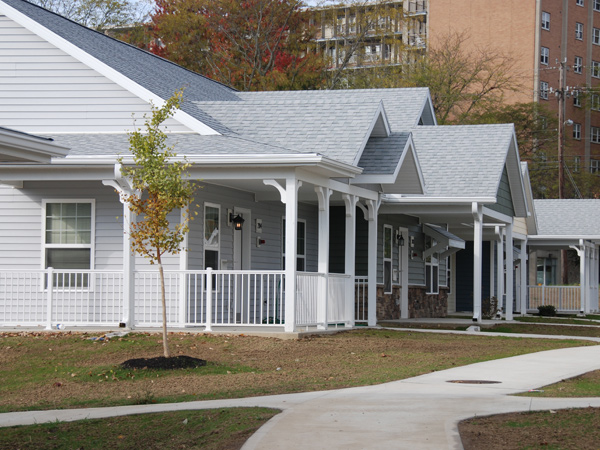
<point>539,34</point>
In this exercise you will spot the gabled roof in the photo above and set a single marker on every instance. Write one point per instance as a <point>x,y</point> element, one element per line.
<point>468,161</point>
<point>532,226</point>
<point>157,75</point>
<point>336,130</point>
<point>404,106</point>
<point>568,218</point>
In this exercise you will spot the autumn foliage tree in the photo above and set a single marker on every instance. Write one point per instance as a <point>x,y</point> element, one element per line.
<point>249,45</point>
<point>160,188</point>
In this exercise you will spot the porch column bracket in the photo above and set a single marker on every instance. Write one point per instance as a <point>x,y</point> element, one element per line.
<point>373,208</point>
<point>350,202</point>
<point>323,195</point>
<point>439,247</point>
<point>363,208</point>
<point>277,186</point>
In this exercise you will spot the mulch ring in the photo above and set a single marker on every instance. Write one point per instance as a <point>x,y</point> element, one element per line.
<point>162,363</point>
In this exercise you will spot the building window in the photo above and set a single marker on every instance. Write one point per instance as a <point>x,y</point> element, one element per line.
<point>579,31</point>
<point>576,99</point>
<point>449,274</point>
<point>578,65</point>
<point>596,36</point>
<point>546,271</point>
<point>595,102</point>
<point>545,20</point>
<point>212,229</point>
<point>577,131</point>
<point>545,55</point>
<point>576,163</point>
<point>596,5</point>
<point>595,135</point>
<point>596,69</point>
<point>300,245</point>
<point>387,258</point>
<point>431,267</point>
<point>543,90</point>
<point>579,2</point>
<point>68,237</point>
<point>594,165</point>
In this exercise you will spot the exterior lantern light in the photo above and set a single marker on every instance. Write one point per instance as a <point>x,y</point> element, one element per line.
<point>237,221</point>
<point>400,239</point>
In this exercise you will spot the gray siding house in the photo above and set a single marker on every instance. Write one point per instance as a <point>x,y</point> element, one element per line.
<point>356,204</point>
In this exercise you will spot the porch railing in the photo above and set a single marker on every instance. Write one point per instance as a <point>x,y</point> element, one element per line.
<point>563,298</point>
<point>361,296</point>
<point>312,289</point>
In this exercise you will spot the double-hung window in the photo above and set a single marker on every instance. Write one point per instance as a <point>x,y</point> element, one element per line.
<point>596,36</point>
<point>596,69</point>
<point>594,165</point>
<point>578,65</point>
<point>544,90</point>
<point>596,5</point>
<point>579,2</point>
<point>579,31</point>
<point>432,264</point>
<point>577,131</point>
<point>545,20</point>
<point>545,55</point>
<point>595,135</point>
<point>595,102</point>
<point>300,245</point>
<point>576,163</point>
<point>212,238</point>
<point>387,258</point>
<point>68,240</point>
<point>576,99</point>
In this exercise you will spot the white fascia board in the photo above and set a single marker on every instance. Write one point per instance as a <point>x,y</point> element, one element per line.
<point>102,68</point>
<point>430,200</point>
<point>31,148</point>
<point>562,237</point>
<point>379,112</point>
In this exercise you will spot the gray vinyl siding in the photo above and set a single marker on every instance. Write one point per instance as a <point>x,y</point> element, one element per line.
<point>427,116</point>
<point>43,89</point>
<point>504,203</point>
<point>416,265</point>
<point>21,225</point>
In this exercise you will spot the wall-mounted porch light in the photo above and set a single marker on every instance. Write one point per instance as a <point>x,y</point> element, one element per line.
<point>237,221</point>
<point>400,238</point>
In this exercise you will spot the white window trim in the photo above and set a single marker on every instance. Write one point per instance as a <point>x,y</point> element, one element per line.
<point>91,245</point>
<point>577,131</point>
<point>596,5</point>
<point>545,23</point>
<point>594,165</point>
<point>596,36</point>
<point>544,92</point>
<point>578,31</point>
<point>544,55</point>
<point>431,264</point>
<point>390,259</point>
<point>595,69</point>
<point>579,2</point>
<point>213,247</point>
<point>595,135</point>
<point>578,65</point>
<point>298,256</point>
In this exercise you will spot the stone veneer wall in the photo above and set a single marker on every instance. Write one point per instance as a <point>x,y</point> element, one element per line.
<point>420,304</point>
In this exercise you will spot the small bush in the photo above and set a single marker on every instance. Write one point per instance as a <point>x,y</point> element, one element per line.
<point>546,310</point>
<point>489,308</point>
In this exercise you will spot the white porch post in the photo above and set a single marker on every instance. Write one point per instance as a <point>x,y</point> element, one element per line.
<point>128,269</point>
<point>500,268</point>
<point>350,256</point>
<point>477,211</point>
<point>493,264</point>
<point>373,207</point>
<point>323,195</point>
<point>582,261</point>
<point>510,270</point>
<point>524,277</point>
<point>183,266</point>
<point>291,231</point>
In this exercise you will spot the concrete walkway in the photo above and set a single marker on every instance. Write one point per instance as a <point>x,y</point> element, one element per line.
<point>416,413</point>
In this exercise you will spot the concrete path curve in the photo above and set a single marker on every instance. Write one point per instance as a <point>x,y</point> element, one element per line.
<point>416,413</point>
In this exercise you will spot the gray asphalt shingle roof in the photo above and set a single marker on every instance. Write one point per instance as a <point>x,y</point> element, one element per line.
<point>90,144</point>
<point>335,130</point>
<point>463,161</point>
<point>567,217</point>
<point>403,106</point>
<point>381,155</point>
<point>156,74</point>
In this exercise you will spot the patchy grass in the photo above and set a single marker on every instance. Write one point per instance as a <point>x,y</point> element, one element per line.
<point>60,370</point>
<point>558,430</point>
<point>586,385</point>
<point>218,429</point>
<point>545,329</point>
<point>561,320</point>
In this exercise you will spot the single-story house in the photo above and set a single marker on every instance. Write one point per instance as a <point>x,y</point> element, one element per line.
<point>357,206</point>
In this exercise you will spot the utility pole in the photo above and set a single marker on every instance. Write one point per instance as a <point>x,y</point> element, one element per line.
<point>560,94</point>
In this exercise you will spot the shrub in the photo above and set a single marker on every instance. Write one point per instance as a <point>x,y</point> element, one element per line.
<point>489,308</point>
<point>546,310</point>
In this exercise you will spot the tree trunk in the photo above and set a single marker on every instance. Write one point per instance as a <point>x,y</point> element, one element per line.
<point>164,308</point>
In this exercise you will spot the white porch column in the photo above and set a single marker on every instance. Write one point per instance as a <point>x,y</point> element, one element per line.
<point>350,256</point>
<point>323,195</point>
<point>373,207</point>
<point>291,231</point>
<point>500,267</point>
<point>582,272</point>
<point>128,269</point>
<point>183,265</point>
<point>477,211</point>
<point>524,276</point>
<point>493,264</point>
<point>510,270</point>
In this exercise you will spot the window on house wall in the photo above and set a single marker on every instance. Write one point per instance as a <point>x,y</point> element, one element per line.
<point>578,65</point>
<point>576,163</point>
<point>449,274</point>
<point>545,20</point>
<point>68,237</point>
<point>579,31</point>
<point>212,237</point>
<point>431,267</point>
<point>594,165</point>
<point>577,131</point>
<point>595,102</point>
<point>576,99</point>
<point>596,5</point>
<point>387,258</point>
<point>596,36</point>
<point>300,246</point>
<point>595,135</point>
<point>596,69</point>
<point>546,271</point>
<point>579,2</point>
<point>544,90</point>
<point>545,55</point>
